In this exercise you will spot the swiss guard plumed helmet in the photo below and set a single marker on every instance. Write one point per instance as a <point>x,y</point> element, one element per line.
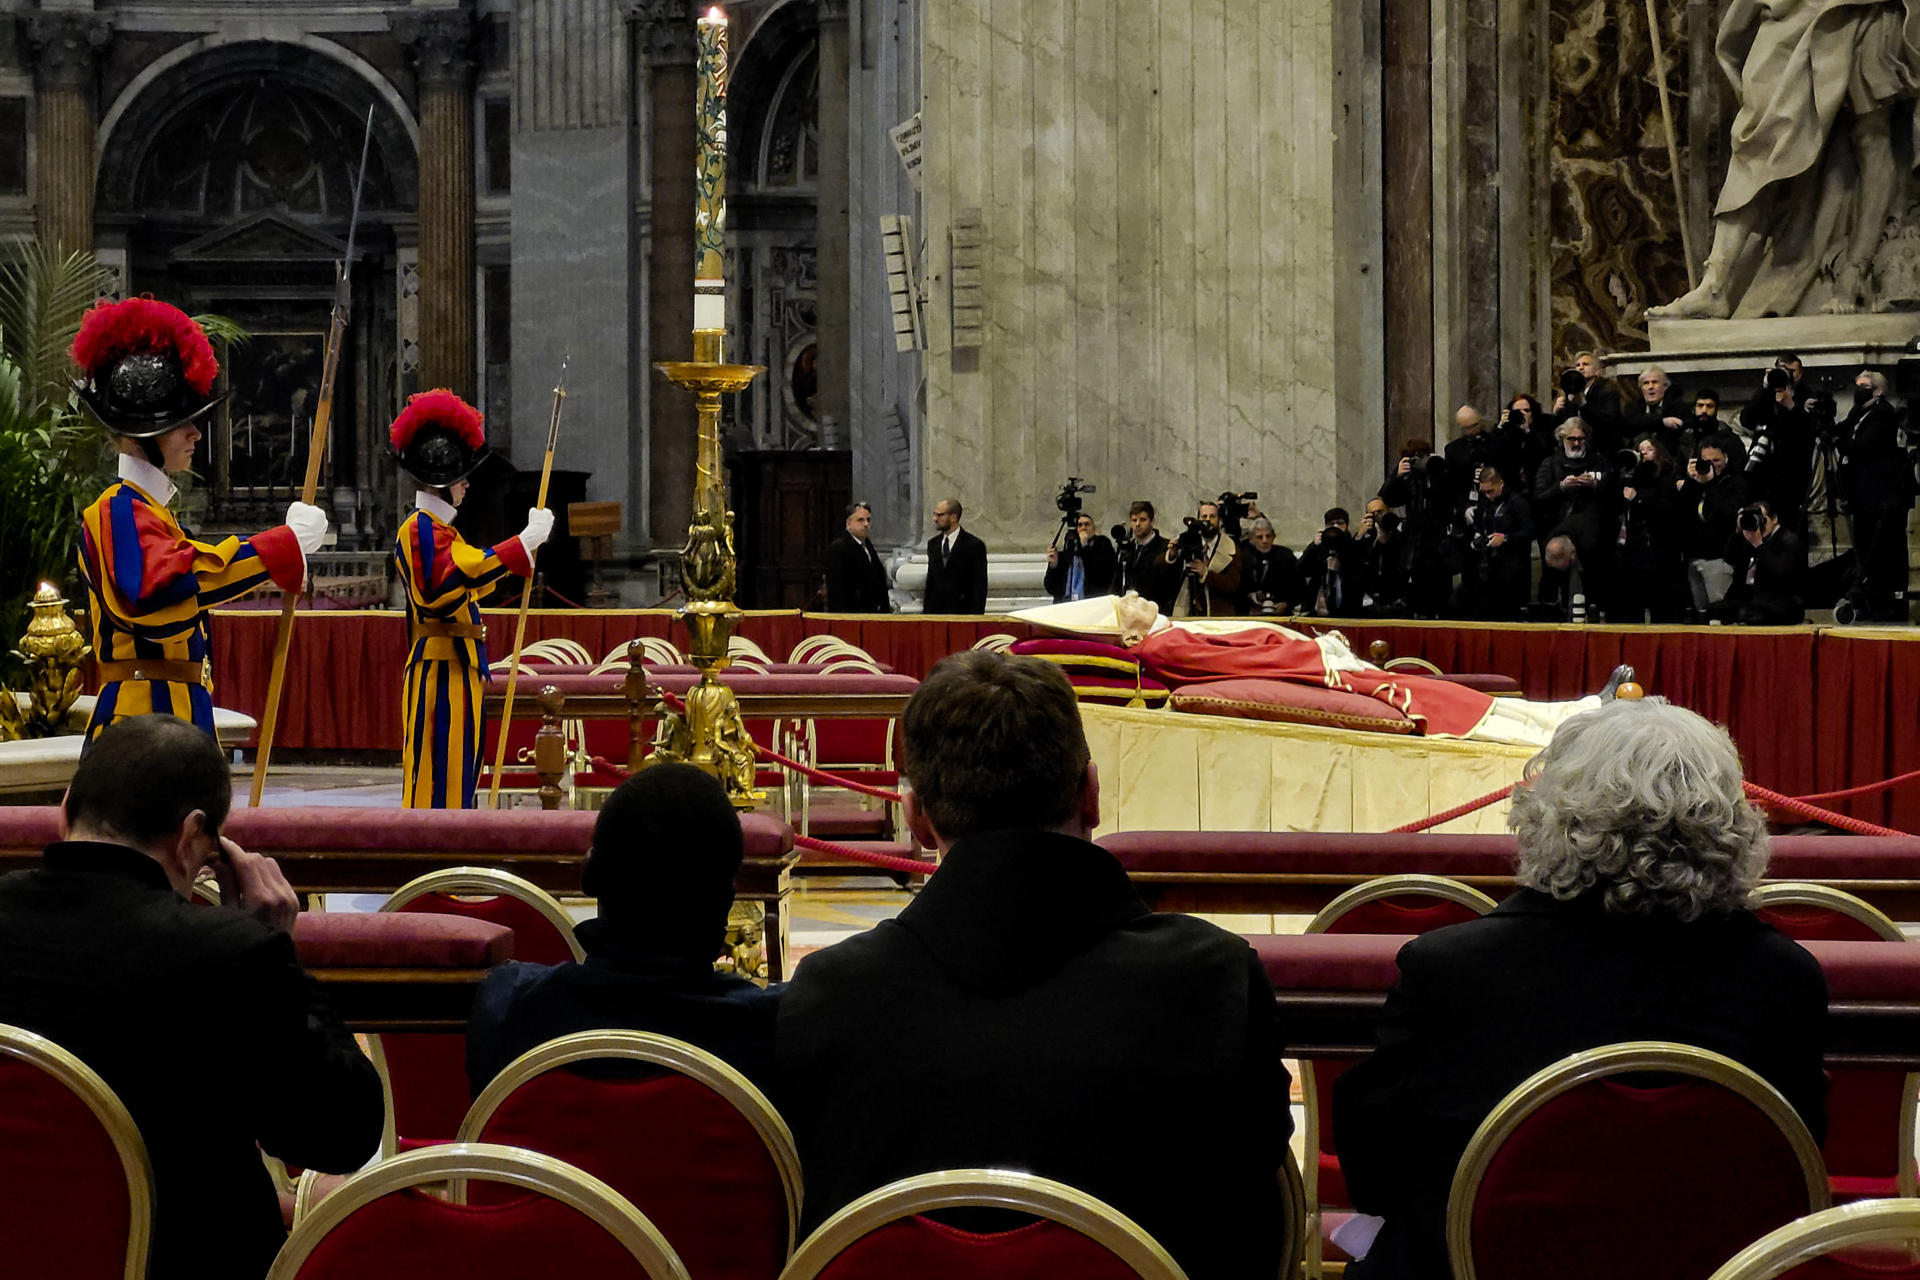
<point>145,366</point>
<point>438,438</point>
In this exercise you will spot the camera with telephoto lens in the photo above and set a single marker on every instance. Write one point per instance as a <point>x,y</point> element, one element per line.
<point>1752,518</point>
<point>1573,382</point>
<point>1515,419</point>
<point>1777,378</point>
<point>1069,498</point>
<point>1192,542</point>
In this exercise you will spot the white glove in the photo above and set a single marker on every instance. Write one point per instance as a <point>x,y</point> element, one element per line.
<point>539,529</point>
<point>309,525</point>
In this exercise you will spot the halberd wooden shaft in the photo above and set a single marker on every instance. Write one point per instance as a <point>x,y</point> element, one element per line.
<point>526,597</point>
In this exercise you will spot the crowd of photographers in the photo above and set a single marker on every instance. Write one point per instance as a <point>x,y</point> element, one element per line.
<point>1639,510</point>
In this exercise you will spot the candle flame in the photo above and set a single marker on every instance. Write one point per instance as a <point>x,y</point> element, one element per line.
<point>716,14</point>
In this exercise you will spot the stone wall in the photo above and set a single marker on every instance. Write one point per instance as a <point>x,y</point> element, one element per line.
<point>1169,279</point>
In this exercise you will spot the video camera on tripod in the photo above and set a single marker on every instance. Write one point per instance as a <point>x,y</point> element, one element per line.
<point>1234,508</point>
<point>1067,537</point>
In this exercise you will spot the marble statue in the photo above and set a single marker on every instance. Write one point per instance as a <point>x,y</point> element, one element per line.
<point>1814,168</point>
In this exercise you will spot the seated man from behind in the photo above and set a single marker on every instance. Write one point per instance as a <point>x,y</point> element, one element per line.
<point>198,1017</point>
<point>1053,1023</point>
<point>1637,853</point>
<point>665,850</point>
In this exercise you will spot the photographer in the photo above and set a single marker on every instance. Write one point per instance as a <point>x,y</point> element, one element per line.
<point>1586,392</point>
<point>1081,565</point>
<point>1475,445</point>
<point>1573,495</point>
<point>1662,411</point>
<point>1648,571</point>
<point>1419,488</point>
<point>1768,561</point>
<point>1529,423</point>
<point>1781,445</point>
<point>1880,488</point>
<point>1142,559</point>
<point>1269,573</point>
<point>1711,494</point>
<point>1499,551</point>
<point>1384,575</point>
<point>1209,561</point>
<point>1330,572</point>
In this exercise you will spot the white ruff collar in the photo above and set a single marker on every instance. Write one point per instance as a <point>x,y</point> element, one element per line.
<point>148,478</point>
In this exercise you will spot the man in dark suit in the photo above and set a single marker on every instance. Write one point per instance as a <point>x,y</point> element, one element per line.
<point>856,580</point>
<point>1878,476</point>
<point>199,1018</point>
<point>1637,853</point>
<point>1142,559</point>
<point>1065,1028</point>
<point>956,564</point>
<point>665,850</point>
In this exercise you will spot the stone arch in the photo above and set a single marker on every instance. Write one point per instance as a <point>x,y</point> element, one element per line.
<point>187,77</point>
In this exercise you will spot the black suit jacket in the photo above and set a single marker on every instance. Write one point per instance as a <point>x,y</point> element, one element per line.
<point>522,1006</point>
<point>856,580</point>
<point>956,583</point>
<point>1144,568</point>
<point>201,1020</point>
<point>1098,564</point>
<point>1058,1026</point>
<point>1481,1006</point>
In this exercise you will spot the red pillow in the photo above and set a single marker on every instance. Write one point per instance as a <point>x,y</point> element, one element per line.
<point>1080,657</point>
<point>1292,703</point>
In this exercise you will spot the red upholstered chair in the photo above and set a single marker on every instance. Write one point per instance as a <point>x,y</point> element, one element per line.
<point>1589,1169</point>
<point>682,1135</point>
<point>380,1226</point>
<point>76,1191</point>
<point>1390,905</point>
<point>426,1071</point>
<point>1869,1147</point>
<point>1877,1240</point>
<point>883,1235</point>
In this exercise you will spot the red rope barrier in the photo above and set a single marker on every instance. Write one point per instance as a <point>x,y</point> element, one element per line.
<point>1458,811</point>
<point>913,866</point>
<point>1802,809</point>
<point>1886,784</point>
<point>821,775</point>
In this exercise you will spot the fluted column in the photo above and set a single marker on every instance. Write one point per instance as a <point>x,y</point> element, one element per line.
<point>66,50</point>
<point>669,39</point>
<point>441,41</point>
<point>833,399</point>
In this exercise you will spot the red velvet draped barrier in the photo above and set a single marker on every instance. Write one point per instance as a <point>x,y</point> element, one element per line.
<point>1812,709</point>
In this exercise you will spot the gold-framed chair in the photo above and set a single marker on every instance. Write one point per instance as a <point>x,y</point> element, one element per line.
<point>1373,906</point>
<point>654,651</point>
<point>1098,1222</point>
<point>824,647</point>
<point>998,642</point>
<point>557,651</point>
<point>667,1149</point>
<point>739,647</point>
<point>366,1222</point>
<point>1807,1248</point>
<point>45,1221</point>
<point>1412,664</point>
<point>424,1072</point>
<point>1866,1108</point>
<point>1727,1200</point>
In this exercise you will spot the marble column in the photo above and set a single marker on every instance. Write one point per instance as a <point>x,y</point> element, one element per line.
<point>1407,144</point>
<point>66,50</point>
<point>833,330</point>
<point>671,49</point>
<point>441,41</point>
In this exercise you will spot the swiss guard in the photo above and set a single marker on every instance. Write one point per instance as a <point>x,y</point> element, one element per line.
<point>439,439</point>
<point>147,374</point>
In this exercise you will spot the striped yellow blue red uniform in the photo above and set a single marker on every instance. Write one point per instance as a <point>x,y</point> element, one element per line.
<point>445,577</point>
<point>148,589</point>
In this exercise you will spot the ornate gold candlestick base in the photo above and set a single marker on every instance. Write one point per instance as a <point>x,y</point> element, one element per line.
<point>711,734</point>
<point>53,650</point>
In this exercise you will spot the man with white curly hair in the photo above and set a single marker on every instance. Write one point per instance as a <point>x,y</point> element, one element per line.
<point>1637,852</point>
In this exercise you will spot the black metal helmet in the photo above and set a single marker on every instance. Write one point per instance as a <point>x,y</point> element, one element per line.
<point>438,438</point>
<point>147,367</point>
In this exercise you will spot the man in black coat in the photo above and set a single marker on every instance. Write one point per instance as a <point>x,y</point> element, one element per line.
<point>1142,560</point>
<point>1269,573</point>
<point>1498,553</point>
<point>199,1018</point>
<point>1081,566</point>
<point>1880,490</point>
<point>1769,566</point>
<point>1060,1026</point>
<point>856,580</point>
<point>1599,946</point>
<point>956,564</point>
<point>1662,412</point>
<point>1587,393</point>
<point>665,850</point>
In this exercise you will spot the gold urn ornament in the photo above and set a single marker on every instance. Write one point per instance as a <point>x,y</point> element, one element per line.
<point>53,650</point>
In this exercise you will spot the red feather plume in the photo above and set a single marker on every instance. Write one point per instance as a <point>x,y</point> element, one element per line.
<point>439,408</point>
<point>111,330</point>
